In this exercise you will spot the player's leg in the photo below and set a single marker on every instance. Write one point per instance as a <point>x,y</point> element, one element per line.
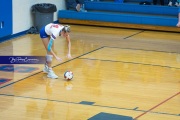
<point>154,2</point>
<point>178,24</point>
<point>72,4</point>
<point>49,58</point>
<point>45,43</point>
<point>162,2</point>
<point>81,2</point>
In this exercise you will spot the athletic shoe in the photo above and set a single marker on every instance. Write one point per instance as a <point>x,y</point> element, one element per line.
<point>83,10</point>
<point>170,3</point>
<point>51,74</point>
<point>78,7</point>
<point>177,4</point>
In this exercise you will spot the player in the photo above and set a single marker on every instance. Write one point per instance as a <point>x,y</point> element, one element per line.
<point>178,24</point>
<point>77,5</point>
<point>48,34</point>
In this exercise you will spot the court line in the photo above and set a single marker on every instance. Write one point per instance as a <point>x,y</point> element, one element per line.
<point>134,34</point>
<point>130,62</point>
<point>156,106</point>
<point>52,67</point>
<point>79,103</point>
<point>74,102</point>
<point>142,50</point>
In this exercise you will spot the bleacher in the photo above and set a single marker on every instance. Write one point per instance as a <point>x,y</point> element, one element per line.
<point>124,15</point>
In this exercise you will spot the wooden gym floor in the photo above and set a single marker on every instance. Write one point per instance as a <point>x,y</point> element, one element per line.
<point>119,74</point>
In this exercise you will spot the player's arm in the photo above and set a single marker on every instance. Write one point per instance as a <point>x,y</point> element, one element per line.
<point>69,45</point>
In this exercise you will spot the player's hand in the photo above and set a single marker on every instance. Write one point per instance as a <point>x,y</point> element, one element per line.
<point>59,59</point>
<point>69,56</point>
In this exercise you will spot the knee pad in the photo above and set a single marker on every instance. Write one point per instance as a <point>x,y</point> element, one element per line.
<point>49,58</point>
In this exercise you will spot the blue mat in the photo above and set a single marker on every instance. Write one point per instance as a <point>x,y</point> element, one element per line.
<point>109,116</point>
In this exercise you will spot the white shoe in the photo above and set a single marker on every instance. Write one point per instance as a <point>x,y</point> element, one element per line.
<point>45,68</point>
<point>51,74</point>
<point>170,3</point>
<point>82,10</point>
<point>78,7</point>
<point>177,4</point>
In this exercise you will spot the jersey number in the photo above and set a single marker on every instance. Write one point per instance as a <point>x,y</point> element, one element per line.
<point>56,26</point>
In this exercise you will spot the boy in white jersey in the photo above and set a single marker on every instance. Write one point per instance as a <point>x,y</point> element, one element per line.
<point>48,34</point>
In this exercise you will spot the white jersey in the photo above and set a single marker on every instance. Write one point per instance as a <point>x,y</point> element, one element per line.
<point>53,30</point>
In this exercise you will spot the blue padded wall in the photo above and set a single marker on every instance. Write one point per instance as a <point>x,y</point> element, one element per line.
<point>125,13</point>
<point>5,18</point>
<point>134,8</point>
<point>122,18</point>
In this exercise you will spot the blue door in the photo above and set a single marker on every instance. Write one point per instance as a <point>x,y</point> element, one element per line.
<point>5,18</point>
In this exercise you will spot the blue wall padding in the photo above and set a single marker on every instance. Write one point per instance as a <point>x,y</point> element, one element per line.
<point>5,18</point>
<point>131,1</point>
<point>134,8</point>
<point>119,18</point>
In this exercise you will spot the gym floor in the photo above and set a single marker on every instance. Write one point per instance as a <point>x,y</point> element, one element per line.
<point>119,74</point>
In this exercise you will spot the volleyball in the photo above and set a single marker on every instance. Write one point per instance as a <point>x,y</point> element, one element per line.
<point>68,75</point>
